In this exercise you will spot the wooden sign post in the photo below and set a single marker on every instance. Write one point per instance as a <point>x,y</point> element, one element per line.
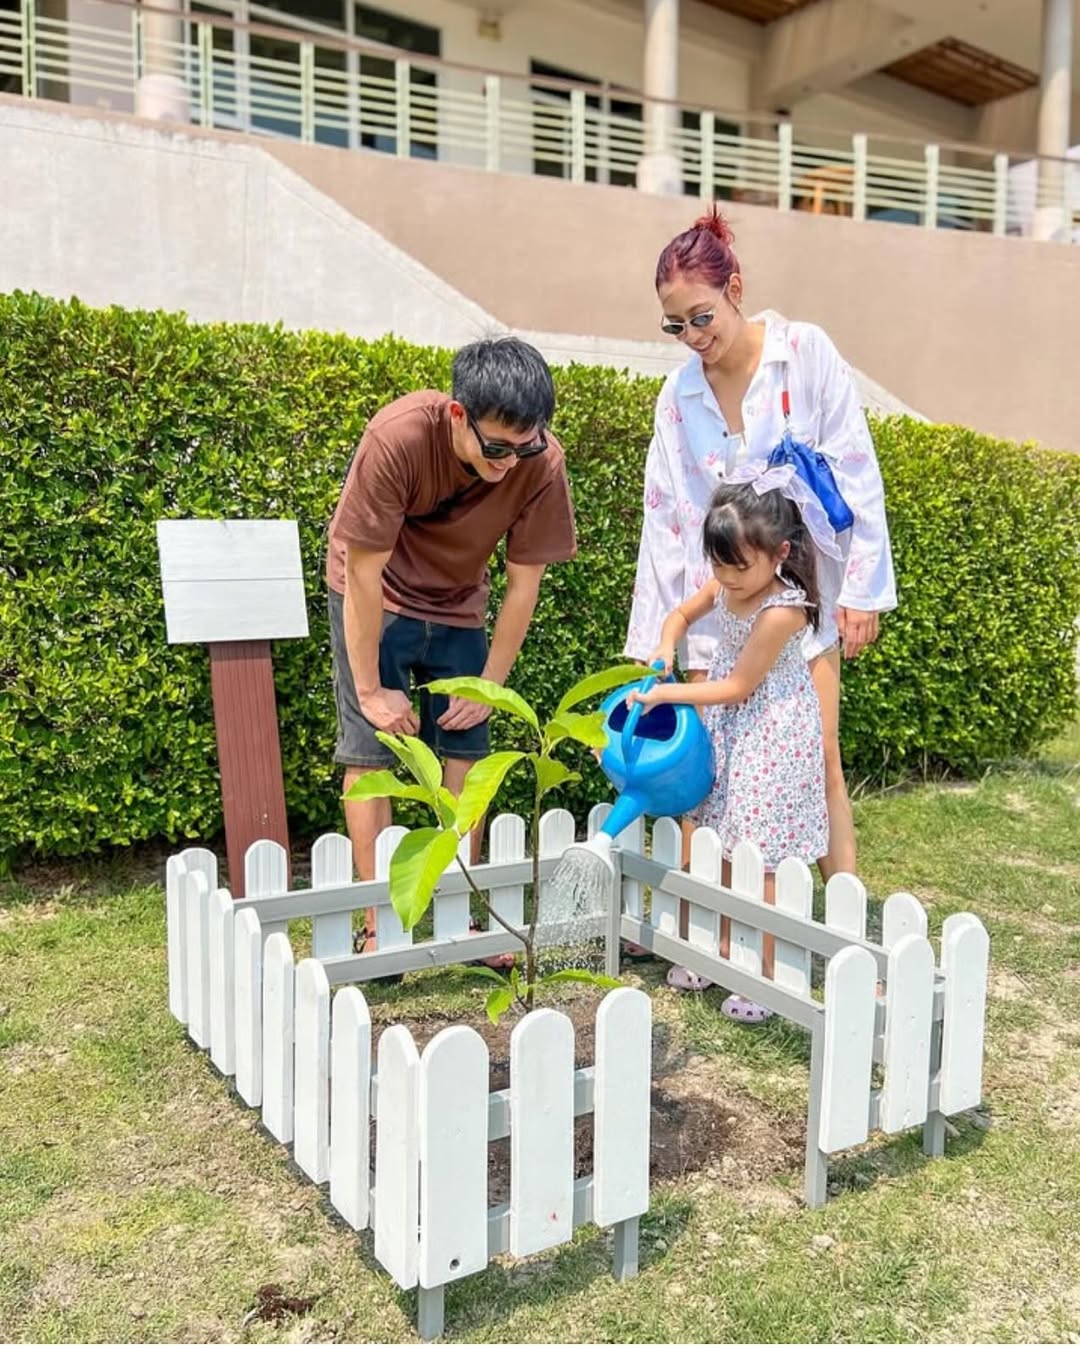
<point>236,585</point>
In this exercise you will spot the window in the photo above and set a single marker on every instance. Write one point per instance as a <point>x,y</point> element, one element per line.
<point>378,94</point>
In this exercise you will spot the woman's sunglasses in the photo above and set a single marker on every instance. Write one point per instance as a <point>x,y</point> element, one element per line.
<point>677,327</point>
<point>504,449</point>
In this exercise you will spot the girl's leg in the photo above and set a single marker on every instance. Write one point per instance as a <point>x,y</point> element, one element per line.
<point>825,671</point>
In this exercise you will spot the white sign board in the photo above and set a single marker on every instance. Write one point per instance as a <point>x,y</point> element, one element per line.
<point>231,580</point>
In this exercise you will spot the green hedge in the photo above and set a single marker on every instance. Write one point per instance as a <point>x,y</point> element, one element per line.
<point>110,420</point>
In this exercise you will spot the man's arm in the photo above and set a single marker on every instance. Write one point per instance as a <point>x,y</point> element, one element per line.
<point>515,614</point>
<point>386,709</point>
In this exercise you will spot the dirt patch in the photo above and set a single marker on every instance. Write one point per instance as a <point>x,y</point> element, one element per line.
<point>273,1304</point>
<point>698,1124</point>
<point>1070,870</point>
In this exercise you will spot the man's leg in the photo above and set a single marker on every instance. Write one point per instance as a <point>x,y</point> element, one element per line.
<point>825,671</point>
<point>454,773</point>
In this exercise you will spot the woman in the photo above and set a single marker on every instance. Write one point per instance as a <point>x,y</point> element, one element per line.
<point>723,408</point>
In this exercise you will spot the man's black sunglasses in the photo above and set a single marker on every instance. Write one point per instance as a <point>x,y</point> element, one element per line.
<point>504,449</point>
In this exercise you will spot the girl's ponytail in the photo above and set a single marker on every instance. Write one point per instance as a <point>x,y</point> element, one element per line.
<point>800,566</point>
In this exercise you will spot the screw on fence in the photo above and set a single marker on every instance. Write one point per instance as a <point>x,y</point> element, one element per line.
<point>237,585</point>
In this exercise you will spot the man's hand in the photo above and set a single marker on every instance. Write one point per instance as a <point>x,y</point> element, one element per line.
<point>463,714</point>
<point>857,629</point>
<point>390,710</point>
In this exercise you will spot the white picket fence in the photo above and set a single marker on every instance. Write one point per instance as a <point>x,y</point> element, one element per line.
<point>890,1004</point>
<point>306,1062</point>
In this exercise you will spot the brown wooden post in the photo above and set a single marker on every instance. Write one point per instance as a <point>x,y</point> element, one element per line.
<point>249,750</point>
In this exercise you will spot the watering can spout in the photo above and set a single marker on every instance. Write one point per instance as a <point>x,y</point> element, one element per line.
<point>599,846</point>
<point>628,806</point>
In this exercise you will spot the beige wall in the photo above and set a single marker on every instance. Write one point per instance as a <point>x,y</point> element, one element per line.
<point>966,328</point>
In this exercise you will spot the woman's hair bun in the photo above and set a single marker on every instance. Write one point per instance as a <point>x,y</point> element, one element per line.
<point>715,223</point>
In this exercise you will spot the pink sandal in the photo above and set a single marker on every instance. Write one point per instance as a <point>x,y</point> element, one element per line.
<point>741,1009</point>
<point>680,977</point>
<point>503,962</point>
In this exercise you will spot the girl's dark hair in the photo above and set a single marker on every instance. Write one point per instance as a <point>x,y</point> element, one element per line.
<point>704,250</point>
<point>739,520</point>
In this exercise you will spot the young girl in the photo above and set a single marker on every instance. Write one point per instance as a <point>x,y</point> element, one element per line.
<point>762,709</point>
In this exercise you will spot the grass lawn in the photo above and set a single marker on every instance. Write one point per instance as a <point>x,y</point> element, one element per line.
<point>139,1202</point>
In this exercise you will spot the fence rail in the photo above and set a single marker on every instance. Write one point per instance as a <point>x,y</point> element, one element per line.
<point>322,87</point>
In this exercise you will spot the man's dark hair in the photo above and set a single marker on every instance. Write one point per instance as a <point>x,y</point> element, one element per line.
<point>506,379</point>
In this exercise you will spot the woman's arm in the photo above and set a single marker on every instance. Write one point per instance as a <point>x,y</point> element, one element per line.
<point>772,629</point>
<point>658,583</point>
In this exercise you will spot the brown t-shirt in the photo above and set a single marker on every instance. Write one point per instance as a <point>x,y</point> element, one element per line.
<point>407,491</point>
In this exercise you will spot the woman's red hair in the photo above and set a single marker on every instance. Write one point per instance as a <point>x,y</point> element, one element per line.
<point>704,250</point>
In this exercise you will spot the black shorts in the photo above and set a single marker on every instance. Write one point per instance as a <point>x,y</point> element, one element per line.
<point>410,651</point>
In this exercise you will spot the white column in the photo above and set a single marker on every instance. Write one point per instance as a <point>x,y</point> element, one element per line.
<point>1055,105</point>
<point>162,93</point>
<point>659,169</point>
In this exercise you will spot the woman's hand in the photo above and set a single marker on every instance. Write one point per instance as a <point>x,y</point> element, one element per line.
<point>857,629</point>
<point>666,655</point>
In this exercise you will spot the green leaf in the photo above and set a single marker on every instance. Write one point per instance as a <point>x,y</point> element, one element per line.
<point>447,807</point>
<point>489,693</point>
<point>481,784</point>
<point>417,758</point>
<point>580,977</point>
<point>498,1001</point>
<point>485,973</point>
<point>418,862</point>
<point>585,728</point>
<point>550,773</point>
<point>382,783</point>
<point>599,683</point>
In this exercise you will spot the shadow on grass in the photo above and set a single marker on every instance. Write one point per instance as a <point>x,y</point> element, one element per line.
<point>896,1156</point>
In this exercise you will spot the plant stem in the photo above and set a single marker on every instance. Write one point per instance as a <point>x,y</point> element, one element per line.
<point>530,946</point>
<point>478,895</point>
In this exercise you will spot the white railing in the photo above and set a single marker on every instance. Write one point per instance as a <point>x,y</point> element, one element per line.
<point>324,87</point>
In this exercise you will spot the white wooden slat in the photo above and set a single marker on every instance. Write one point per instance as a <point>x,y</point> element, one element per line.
<point>176,938</point>
<point>266,872</point>
<point>222,982</point>
<point>541,1132</point>
<point>631,838</point>
<point>902,914</point>
<point>845,905</point>
<point>211,550</point>
<point>909,1012</point>
<point>234,611</point>
<point>397,1158</point>
<point>451,912</point>
<point>557,830</point>
<point>594,822</point>
<point>278,1015</point>
<point>850,981</point>
<point>350,1107</point>
<point>622,1091</point>
<point>311,1071</point>
<point>706,860</point>
<point>748,881</point>
<point>453,1147</point>
<point>795,896</point>
<point>205,860</point>
<point>389,934</point>
<point>666,850</point>
<point>248,950</point>
<point>506,845</point>
<point>194,896</point>
<point>331,865</point>
<point>965,957</point>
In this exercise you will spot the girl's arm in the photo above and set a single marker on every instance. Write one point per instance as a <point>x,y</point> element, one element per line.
<point>772,629</point>
<point>680,619</point>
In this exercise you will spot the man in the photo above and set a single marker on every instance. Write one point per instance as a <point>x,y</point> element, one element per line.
<point>435,485</point>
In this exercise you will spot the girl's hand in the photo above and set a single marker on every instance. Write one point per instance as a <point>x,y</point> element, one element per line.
<point>665,654</point>
<point>647,700</point>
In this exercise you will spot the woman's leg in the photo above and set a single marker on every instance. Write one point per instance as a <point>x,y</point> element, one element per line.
<point>825,671</point>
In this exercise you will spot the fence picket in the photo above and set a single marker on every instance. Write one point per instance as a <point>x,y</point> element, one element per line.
<point>794,895</point>
<point>397,1164</point>
<point>909,1012</point>
<point>622,1090</point>
<point>350,1107</point>
<point>222,982</point>
<point>556,836</point>
<point>965,955</point>
<point>311,1071</point>
<point>247,950</point>
<point>507,844</point>
<point>541,1132</point>
<point>453,1148</point>
<point>666,850</point>
<point>389,934</point>
<point>202,860</point>
<point>706,860</point>
<point>632,838</point>
<point>194,897</point>
<point>176,939</point>
<point>850,980</point>
<point>451,912</point>
<point>845,905</point>
<point>266,872</point>
<point>277,1037</point>
<point>748,881</point>
<point>331,865</point>
<point>901,914</point>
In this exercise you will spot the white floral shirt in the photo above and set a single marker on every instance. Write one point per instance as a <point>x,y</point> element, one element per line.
<point>691,451</point>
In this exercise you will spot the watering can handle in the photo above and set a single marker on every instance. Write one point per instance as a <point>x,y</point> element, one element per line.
<point>630,750</point>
